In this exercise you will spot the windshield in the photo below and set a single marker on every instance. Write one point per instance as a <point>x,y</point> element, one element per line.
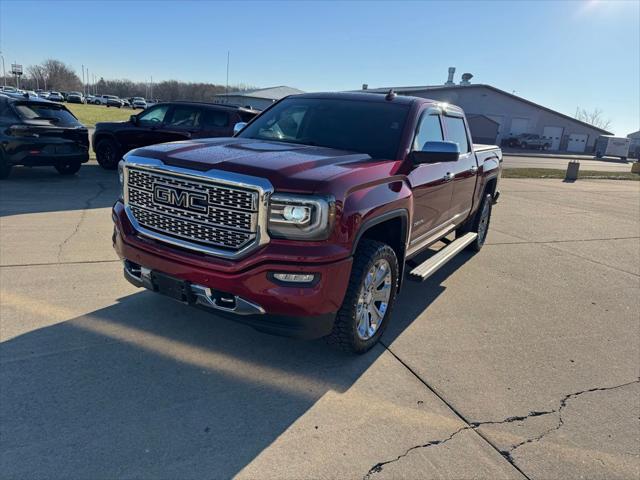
<point>358,126</point>
<point>54,113</point>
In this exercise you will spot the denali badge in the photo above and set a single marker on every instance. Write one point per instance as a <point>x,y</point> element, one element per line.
<point>180,198</point>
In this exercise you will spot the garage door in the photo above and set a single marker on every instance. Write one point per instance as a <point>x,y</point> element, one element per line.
<point>554,134</point>
<point>519,125</point>
<point>577,142</point>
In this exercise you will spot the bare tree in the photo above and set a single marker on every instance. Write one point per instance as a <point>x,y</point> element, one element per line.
<point>594,117</point>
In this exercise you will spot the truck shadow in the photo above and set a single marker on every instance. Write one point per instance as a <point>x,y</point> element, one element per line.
<point>43,189</point>
<point>150,388</point>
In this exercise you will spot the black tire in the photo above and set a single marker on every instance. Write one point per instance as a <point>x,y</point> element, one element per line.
<point>68,167</point>
<point>5,167</point>
<point>345,333</point>
<point>523,145</point>
<point>479,224</point>
<point>107,154</point>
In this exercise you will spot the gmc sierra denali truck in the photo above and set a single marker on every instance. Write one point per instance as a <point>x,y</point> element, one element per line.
<point>303,222</point>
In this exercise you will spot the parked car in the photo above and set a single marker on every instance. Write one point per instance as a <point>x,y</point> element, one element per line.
<point>37,132</point>
<point>304,222</point>
<point>165,122</point>
<point>89,99</point>
<point>8,89</point>
<point>125,103</point>
<point>108,100</point>
<point>75,97</point>
<point>55,97</point>
<point>529,140</point>
<point>138,102</point>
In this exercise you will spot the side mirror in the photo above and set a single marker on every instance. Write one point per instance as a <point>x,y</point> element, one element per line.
<point>134,119</point>
<point>436,152</point>
<point>239,126</point>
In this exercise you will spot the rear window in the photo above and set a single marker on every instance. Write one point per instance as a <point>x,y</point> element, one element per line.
<point>57,115</point>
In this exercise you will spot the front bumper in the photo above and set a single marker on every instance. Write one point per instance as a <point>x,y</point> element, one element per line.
<point>292,310</point>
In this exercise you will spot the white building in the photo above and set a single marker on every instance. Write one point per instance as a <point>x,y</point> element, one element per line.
<point>256,99</point>
<point>495,115</point>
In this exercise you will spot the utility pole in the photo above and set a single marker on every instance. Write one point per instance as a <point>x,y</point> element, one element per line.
<point>84,85</point>
<point>4,73</point>
<point>227,87</point>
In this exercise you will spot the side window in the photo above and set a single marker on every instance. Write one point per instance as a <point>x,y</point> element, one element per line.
<point>429,130</point>
<point>212,119</point>
<point>153,116</point>
<point>184,117</point>
<point>456,132</point>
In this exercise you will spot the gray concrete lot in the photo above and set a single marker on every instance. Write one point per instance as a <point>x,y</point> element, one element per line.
<point>517,362</point>
<point>560,162</point>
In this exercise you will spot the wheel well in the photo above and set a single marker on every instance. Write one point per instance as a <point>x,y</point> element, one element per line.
<point>101,137</point>
<point>393,232</point>
<point>491,187</point>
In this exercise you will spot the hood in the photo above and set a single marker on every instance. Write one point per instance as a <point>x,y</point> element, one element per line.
<point>289,167</point>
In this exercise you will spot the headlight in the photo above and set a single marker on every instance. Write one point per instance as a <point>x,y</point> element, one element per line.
<point>121,178</point>
<point>300,217</point>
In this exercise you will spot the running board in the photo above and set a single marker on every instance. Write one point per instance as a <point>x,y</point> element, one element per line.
<point>433,264</point>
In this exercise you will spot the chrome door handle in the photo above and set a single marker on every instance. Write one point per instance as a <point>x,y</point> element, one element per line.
<point>474,169</point>
<point>448,177</point>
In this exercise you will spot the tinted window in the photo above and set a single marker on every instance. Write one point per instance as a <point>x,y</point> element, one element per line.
<point>214,119</point>
<point>185,117</point>
<point>53,113</point>
<point>456,132</point>
<point>153,116</point>
<point>359,126</point>
<point>429,130</point>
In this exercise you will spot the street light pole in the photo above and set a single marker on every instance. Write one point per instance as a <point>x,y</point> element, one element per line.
<point>4,73</point>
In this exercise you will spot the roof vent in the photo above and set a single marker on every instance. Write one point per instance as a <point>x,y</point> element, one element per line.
<point>465,79</point>
<point>452,71</point>
<point>391,95</point>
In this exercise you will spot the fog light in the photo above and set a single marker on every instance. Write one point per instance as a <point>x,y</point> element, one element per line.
<point>294,277</point>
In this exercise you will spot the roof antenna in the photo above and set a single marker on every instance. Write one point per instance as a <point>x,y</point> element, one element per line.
<point>391,95</point>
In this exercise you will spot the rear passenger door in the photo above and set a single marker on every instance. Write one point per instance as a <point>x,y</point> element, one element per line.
<point>465,170</point>
<point>216,122</point>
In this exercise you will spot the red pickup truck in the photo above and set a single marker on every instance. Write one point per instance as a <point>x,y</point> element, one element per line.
<point>302,223</point>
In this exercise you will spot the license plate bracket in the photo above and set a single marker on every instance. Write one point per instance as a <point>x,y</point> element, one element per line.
<point>172,287</point>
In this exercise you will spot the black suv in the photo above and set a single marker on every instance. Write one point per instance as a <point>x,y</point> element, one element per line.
<point>165,122</point>
<point>37,132</point>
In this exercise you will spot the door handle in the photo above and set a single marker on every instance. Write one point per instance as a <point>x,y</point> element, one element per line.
<point>448,177</point>
<point>474,169</point>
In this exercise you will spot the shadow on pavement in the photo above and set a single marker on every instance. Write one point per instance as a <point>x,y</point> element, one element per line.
<point>151,388</point>
<point>43,189</point>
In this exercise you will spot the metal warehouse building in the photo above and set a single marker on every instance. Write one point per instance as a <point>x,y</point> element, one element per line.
<point>258,99</point>
<point>495,115</point>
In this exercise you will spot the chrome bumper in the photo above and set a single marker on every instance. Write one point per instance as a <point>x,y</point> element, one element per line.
<point>201,295</point>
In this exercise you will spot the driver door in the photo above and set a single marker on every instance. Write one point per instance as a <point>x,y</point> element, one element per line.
<point>147,131</point>
<point>431,185</point>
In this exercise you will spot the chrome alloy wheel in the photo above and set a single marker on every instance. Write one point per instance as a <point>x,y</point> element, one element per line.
<point>483,225</point>
<point>373,299</point>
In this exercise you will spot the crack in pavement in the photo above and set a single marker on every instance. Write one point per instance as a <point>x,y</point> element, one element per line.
<point>507,454</point>
<point>561,241</point>
<point>46,264</point>
<point>87,205</point>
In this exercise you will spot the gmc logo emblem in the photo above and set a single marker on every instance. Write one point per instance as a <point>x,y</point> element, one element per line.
<point>181,198</point>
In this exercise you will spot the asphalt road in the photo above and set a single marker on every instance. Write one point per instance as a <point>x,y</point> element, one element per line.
<point>560,162</point>
<point>517,362</point>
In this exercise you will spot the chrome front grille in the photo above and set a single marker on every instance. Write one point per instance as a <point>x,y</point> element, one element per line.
<point>197,212</point>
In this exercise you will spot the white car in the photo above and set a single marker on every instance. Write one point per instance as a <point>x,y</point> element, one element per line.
<point>139,102</point>
<point>108,100</point>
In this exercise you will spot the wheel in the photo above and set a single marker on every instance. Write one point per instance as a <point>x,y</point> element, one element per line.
<point>479,224</point>
<point>107,154</point>
<point>68,167</point>
<point>523,145</point>
<point>5,167</point>
<point>546,146</point>
<point>370,296</point>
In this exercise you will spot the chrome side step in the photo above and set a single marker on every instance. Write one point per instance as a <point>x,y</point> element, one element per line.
<point>433,264</point>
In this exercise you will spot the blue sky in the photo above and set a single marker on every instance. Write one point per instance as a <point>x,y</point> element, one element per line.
<point>559,54</point>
